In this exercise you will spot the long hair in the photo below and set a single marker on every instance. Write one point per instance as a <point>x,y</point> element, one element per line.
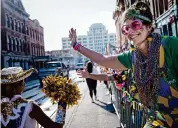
<point>89,66</point>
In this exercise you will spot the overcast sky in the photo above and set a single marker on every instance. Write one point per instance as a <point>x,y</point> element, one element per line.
<point>58,16</point>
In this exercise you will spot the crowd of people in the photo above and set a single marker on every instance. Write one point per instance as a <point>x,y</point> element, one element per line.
<point>152,61</point>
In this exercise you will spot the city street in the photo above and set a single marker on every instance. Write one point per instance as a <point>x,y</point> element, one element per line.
<point>83,115</point>
<point>87,114</point>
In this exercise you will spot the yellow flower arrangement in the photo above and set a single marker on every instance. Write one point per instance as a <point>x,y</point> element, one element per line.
<point>59,89</point>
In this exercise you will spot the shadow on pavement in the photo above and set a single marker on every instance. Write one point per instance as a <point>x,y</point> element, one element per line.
<point>105,106</point>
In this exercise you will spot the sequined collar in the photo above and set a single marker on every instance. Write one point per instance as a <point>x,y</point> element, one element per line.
<point>10,108</point>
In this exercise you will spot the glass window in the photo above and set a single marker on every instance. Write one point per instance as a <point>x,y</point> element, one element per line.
<point>53,65</point>
<point>63,40</point>
<point>7,20</point>
<point>11,23</point>
<point>20,46</point>
<point>22,25</point>
<point>15,25</point>
<point>15,44</point>
<point>12,44</point>
<point>165,30</point>
<point>27,30</point>
<point>7,38</point>
<point>18,27</point>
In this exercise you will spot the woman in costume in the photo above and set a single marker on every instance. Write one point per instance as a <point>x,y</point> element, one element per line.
<point>17,112</point>
<point>153,62</point>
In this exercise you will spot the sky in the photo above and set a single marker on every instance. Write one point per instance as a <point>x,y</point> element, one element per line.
<point>58,16</point>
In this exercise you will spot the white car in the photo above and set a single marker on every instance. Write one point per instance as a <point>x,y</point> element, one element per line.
<point>79,66</point>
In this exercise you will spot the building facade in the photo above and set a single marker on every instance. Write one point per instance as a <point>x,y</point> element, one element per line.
<point>96,39</point>
<point>165,14</point>
<point>15,35</point>
<point>68,57</point>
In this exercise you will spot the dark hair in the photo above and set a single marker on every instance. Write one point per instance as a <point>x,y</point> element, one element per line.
<point>144,10</point>
<point>89,67</point>
<point>9,90</point>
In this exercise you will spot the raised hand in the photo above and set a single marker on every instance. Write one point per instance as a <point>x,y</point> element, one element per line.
<point>72,35</point>
<point>83,73</point>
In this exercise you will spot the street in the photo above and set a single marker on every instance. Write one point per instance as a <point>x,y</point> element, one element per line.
<point>83,115</point>
<point>87,114</point>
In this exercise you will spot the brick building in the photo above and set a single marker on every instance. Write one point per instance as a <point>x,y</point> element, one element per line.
<point>165,15</point>
<point>18,46</point>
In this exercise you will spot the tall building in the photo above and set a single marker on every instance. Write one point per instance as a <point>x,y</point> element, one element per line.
<point>96,39</point>
<point>19,35</point>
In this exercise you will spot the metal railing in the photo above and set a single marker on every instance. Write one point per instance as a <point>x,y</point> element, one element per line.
<point>130,113</point>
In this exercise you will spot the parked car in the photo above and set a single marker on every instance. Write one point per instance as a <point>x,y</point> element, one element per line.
<point>54,67</point>
<point>79,66</point>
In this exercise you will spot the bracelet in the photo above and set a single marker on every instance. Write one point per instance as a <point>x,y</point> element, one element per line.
<point>77,46</point>
<point>73,45</point>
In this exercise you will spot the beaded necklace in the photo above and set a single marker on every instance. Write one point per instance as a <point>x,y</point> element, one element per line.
<point>146,74</point>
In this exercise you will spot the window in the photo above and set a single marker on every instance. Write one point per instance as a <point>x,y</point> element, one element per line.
<point>11,23</point>
<point>26,31</point>
<point>15,44</point>
<point>63,40</point>
<point>36,35</point>
<point>18,26</point>
<point>15,25</point>
<point>84,38</point>
<point>8,41</point>
<point>7,20</point>
<point>79,38</point>
<point>22,25</point>
<point>165,30</point>
<point>12,43</point>
<point>32,33</point>
<point>20,46</point>
<point>166,4</point>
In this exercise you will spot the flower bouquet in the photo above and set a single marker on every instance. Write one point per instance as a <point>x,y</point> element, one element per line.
<point>62,91</point>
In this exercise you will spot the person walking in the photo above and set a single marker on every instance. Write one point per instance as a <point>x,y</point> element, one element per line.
<point>92,84</point>
<point>153,61</point>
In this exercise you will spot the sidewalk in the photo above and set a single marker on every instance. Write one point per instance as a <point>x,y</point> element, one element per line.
<point>91,115</point>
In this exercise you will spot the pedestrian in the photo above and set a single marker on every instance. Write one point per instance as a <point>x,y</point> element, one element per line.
<point>153,61</point>
<point>106,82</point>
<point>92,84</point>
<point>68,70</point>
<point>16,111</point>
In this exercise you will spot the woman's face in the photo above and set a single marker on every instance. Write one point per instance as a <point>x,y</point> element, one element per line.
<point>135,31</point>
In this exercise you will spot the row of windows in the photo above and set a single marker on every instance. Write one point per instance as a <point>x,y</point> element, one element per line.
<point>64,47</point>
<point>19,45</point>
<point>15,44</point>
<point>19,27</point>
<point>14,24</point>
<point>97,28</point>
<point>37,50</point>
<point>111,39</point>
<point>65,40</point>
